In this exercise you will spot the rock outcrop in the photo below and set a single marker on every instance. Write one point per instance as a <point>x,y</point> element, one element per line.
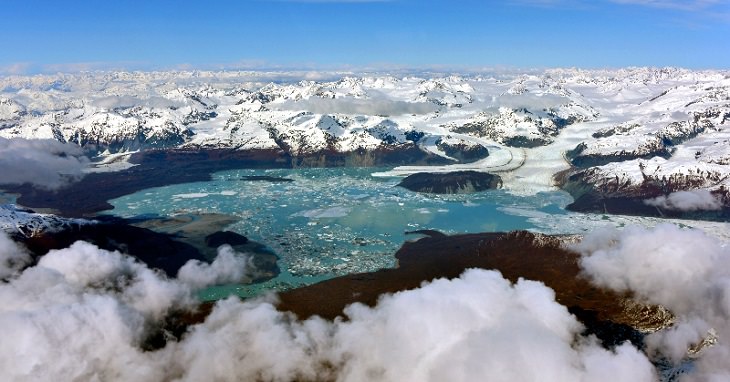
<point>459,182</point>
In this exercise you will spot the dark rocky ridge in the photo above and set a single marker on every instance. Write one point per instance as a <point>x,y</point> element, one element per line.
<point>578,159</point>
<point>613,197</point>
<point>516,255</point>
<point>160,250</point>
<point>157,250</point>
<point>458,182</point>
<point>636,206</point>
<point>612,317</point>
<point>216,239</point>
<point>463,153</point>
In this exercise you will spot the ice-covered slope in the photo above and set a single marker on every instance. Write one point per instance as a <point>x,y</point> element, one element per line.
<point>606,123</point>
<point>113,112</point>
<point>26,223</point>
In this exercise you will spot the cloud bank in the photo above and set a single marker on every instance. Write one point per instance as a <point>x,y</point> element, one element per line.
<point>45,163</point>
<point>684,270</point>
<point>126,102</point>
<point>82,313</point>
<point>693,200</point>
<point>12,257</point>
<point>530,101</point>
<point>380,106</point>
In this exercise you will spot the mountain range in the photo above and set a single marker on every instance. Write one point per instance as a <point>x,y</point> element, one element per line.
<point>638,132</point>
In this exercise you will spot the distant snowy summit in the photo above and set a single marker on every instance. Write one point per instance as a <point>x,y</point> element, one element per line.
<point>631,133</point>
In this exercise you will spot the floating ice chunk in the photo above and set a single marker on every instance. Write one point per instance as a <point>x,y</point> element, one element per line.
<point>331,212</point>
<point>190,195</point>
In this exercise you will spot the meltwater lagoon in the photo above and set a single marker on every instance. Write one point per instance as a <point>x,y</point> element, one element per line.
<point>326,222</point>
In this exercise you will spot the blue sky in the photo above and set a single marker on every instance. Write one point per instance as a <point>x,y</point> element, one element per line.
<point>49,36</point>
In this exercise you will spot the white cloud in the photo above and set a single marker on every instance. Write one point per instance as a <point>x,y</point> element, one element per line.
<point>45,163</point>
<point>84,266</point>
<point>228,267</point>
<point>18,68</point>
<point>693,200</point>
<point>75,67</point>
<point>126,101</point>
<point>476,327</point>
<point>530,101</point>
<point>379,106</point>
<point>82,314</point>
<point>12,257</point>
<point>684,270</point>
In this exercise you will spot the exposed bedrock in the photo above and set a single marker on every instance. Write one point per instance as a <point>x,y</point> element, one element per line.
<point>160,250</point>
<point>613,318</point>
<point>462,151</point>
<point>596,192</point>
<point>459,182</point>
<point>157,250</point>
<point>582,155</point>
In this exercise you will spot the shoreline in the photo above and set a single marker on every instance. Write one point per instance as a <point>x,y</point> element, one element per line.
<point>612,317</point>
<point>155,168</point>
<point>517,254</point>
<point>90,196</point>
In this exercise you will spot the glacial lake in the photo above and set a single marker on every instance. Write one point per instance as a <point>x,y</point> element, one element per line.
<point>328,222</point>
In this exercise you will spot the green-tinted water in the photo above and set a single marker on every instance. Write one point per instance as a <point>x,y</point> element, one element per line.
<point>335,221</point>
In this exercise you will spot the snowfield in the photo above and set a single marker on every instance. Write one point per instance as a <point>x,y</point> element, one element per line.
<point>625,124</point>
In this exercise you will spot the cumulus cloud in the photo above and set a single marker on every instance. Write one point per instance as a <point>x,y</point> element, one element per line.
<point>684,270</point>
<point>228,267</point>
<point>381,106</point>
<point>693,200</point>
<point>126,101</point>
<point>475,327</point>
<point>530,101</point>
<point>82,313</point>
<point>12,257</point>
<point>45,163</point>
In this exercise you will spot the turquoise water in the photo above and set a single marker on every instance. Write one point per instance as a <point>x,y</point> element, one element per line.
<point>330,222</point>
<point>6,198</point>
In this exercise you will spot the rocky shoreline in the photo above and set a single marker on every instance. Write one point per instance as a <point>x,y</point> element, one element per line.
<point>165,244</point>
<point>592,194</point>
<point>613,318</point>
<point>155,168</point>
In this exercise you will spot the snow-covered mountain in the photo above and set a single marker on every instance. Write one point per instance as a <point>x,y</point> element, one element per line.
<point>26,223</point>
<point>623,126</point>
<point>113,112</point>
